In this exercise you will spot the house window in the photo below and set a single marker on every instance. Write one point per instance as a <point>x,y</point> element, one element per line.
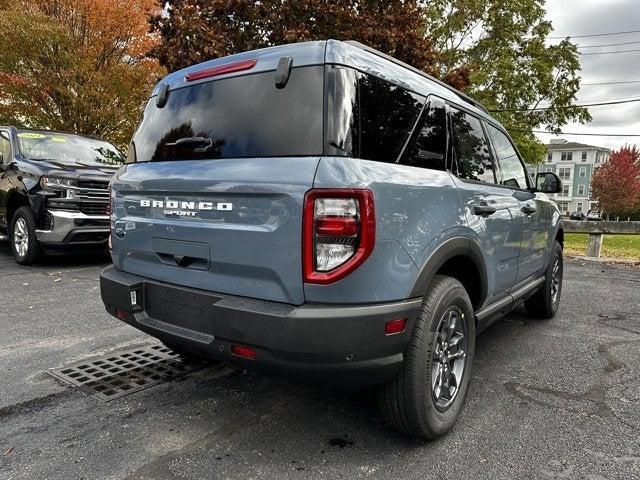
<point>580,189</point>
<point>584,156</point>
<point>565,190</point>
<point>564,173</point>
<point>549,156</point>
<point>566,156</point>
<point>548,169</point>
<point>582,172</point>
<point>579,207</point>
<point>564,206</point>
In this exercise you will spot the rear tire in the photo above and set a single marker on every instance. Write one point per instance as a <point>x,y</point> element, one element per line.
<point>544,303</point>
<point>24,244</point>
<point>425,398</point>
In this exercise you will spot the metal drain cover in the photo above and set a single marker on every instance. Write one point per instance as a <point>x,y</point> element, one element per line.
<point>114,376</point>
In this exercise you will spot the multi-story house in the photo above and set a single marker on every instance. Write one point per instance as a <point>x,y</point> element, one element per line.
<point>575,164</point>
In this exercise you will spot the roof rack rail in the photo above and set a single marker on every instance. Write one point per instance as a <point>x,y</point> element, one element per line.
<point>464,97</point>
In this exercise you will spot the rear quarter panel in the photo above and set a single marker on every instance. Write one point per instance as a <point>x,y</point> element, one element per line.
<point>416,211</point>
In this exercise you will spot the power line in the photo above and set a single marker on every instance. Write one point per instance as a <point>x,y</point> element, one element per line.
<point>596,34</point>
<point>608,53</point>
<point>608,44</point>
<point>596,104</point>
<point>588,134</point>
<point>610,83</point>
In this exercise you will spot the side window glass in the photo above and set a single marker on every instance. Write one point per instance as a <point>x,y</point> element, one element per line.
<point>5,148</point>
<point>388,114</point>
<point>512,172</point>
<point>470,148</point>
<point>428,147</point>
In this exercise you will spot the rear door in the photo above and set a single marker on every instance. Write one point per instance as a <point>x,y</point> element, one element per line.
<point>492,212</point>
<point>536,216</point>
<point>215,198</point>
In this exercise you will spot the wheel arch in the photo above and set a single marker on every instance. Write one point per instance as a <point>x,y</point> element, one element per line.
<point>15,200</point>
<point>460,258</point>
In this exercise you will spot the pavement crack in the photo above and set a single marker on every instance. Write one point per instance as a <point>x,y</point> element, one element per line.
<point>34,404</point>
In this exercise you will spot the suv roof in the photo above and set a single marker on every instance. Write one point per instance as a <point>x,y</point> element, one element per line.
<point>350,53</point>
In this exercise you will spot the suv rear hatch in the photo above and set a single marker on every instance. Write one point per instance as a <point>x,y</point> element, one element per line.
<point>212,197</point>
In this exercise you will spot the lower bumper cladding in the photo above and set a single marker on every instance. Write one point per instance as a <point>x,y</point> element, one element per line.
<point>346,346</point>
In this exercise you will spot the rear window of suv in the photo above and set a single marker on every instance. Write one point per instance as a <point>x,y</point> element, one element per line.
<point>242,116</point>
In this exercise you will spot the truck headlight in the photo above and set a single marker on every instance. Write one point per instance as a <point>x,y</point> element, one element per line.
<point>57,182</point>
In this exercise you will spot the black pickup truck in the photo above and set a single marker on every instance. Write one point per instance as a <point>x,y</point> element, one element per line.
<point>54,194</point>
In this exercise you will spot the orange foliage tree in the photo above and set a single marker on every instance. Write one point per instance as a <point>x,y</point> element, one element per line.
<point>77,65</point>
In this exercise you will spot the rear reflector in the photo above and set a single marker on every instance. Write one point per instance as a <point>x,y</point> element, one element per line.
<point>336,226</point>
<point>243,351</point>
<point>221,70</point>
<point>395,326</point>
<point>122,314</point>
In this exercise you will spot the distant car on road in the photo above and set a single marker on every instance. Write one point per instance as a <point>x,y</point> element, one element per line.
<point>594,215</point>
<point>54,191</point>
<point>577,216</point>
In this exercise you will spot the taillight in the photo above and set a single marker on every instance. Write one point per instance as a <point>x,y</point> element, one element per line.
<point>338,233</point>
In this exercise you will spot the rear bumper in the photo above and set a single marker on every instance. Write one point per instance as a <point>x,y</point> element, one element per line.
<point>74,228</point>
<point>339,345</point>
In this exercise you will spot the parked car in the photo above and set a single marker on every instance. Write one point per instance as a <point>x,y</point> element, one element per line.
<point>577,216</point>
<point>283,210</point>
<point>594,215</point>
<point>54,192</point>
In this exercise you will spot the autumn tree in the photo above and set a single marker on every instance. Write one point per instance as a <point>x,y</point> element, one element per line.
<point>77,65</point>
<point>616,184</point>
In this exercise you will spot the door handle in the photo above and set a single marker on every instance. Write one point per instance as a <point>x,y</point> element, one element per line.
<point>484,210</point>
<point>529,209</point>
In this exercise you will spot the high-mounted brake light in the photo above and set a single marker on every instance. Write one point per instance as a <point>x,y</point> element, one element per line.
<point>221,70</point>
<point>338,233</point>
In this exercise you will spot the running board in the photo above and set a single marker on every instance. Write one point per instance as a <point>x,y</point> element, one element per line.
<point>496,310</point>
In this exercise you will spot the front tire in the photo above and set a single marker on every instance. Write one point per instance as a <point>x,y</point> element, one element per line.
<point>426,396</point>
<point>24,244</point>
<point>544,303</point>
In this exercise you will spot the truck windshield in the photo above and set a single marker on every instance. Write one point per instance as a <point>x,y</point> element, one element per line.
<point>243,116</point>
<point>68,149</point>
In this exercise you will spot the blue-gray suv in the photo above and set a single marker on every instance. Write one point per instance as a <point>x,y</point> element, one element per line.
<point>324,211</point>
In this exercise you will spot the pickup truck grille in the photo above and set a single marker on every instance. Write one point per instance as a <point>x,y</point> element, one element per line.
<point>94,208</point>
<point>93,184</point>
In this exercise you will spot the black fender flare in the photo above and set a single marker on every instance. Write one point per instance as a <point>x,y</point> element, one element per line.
<point>450,248</point>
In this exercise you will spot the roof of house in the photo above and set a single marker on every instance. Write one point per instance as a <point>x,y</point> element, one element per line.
<point>573,146</point>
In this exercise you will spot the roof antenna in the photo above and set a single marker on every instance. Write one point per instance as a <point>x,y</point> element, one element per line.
<point>283,71</point>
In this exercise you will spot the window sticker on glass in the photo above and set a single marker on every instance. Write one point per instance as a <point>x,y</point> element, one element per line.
<point>31,135</point>
<point>59,139</point>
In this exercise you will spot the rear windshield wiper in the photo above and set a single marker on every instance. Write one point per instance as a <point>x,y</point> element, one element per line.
<point>206,143</point>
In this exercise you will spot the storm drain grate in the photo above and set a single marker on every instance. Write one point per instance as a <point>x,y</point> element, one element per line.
<point>114,376</point>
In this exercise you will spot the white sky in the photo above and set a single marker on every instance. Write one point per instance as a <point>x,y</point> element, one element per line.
<point>584,17</point>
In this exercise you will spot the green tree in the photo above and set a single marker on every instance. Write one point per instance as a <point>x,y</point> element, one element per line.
<point>503,44</point>
<point>75,66</point>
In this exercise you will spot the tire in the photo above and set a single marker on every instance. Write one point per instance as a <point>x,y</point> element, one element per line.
<point>544,303</point>
<point>24,244</point>
<point>410,402</point>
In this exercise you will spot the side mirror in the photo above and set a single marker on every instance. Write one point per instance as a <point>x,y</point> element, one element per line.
<point>548,182</point>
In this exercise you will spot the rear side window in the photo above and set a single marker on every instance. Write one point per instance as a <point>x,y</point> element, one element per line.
<point>5,147</point>
<point>369,118</point>
<point>470,147</point>
<point>512,172</point>
<point>428,147</point>
<point>245,116</point>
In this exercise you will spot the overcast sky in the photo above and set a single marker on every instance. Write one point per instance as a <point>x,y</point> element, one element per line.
<point>587,17</point>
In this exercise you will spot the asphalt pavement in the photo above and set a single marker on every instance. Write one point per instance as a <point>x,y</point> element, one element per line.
<point>554,399</point>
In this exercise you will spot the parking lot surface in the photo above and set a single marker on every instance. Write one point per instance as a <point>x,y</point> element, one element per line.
<point>556,399</point>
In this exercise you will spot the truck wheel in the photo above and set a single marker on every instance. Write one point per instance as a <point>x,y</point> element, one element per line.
<point>544,303</point>
<point>24,244</point>
<point>426,396</point>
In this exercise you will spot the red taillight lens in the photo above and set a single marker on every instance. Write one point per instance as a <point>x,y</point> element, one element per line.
<point>243,351</point>
<point>338,233</point>
<point>122,314</point>
<point>221,70</point>
<point>395,326</point>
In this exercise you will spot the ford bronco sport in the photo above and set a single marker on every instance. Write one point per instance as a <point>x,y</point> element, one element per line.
<point>54,192</point>
<point>325,211</point>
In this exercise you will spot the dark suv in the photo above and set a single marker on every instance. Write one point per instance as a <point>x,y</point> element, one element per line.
<point>324,211</point>
<point>54,191</point>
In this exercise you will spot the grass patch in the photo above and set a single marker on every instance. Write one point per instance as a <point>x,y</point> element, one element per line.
<point>615,246</point>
